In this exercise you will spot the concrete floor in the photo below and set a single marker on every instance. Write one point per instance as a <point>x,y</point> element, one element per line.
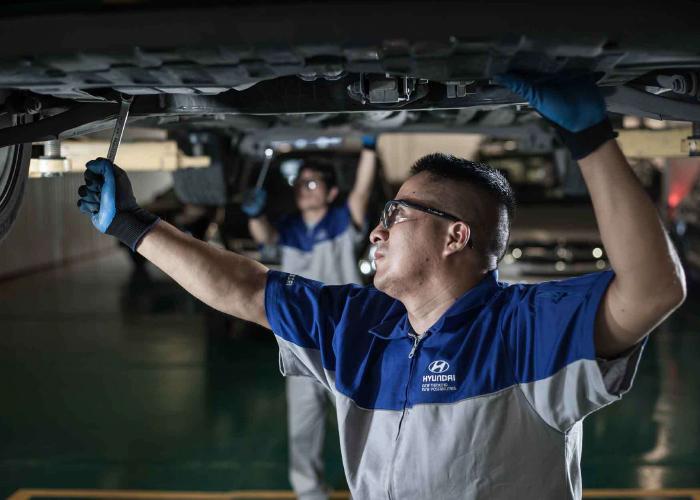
<point>116,381</point>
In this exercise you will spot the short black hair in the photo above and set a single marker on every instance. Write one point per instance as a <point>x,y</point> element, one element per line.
<point>326,170</point>
<point>491,239</point>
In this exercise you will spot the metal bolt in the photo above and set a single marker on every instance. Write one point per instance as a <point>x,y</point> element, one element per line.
<point>52,149</point>
<point>682,83</point>
<point>52,164</point>
<point>678,84</point>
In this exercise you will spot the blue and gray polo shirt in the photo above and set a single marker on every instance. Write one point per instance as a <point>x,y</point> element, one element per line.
<point>487,404</point>
<point>325,251</point>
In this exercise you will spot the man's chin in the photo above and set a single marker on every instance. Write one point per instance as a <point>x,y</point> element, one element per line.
<point>378,282</point>
<point>310,206</point>
<point>382,284</point>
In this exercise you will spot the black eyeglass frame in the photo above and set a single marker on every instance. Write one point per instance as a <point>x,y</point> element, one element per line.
<point>306,184</point>
<point>422,208</point>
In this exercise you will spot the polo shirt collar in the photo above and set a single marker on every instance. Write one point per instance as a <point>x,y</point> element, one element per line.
<point>395,323</point>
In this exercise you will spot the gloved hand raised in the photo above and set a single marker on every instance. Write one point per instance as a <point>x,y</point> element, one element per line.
<point>369,141</point>
<point>573,104</point>
<point>254,202</point>
<point>108,198</point>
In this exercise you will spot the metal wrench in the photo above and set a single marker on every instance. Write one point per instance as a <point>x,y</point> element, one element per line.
<point>119,127</point>
<point>269,152</point>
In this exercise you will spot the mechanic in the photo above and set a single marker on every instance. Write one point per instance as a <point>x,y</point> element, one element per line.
<point>319,242</point>
<point>449,384</point>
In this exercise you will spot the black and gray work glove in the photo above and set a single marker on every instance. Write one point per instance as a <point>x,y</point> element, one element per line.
<point>108,198</point>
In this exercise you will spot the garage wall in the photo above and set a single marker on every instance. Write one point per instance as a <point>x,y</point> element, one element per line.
<point>50,230</point>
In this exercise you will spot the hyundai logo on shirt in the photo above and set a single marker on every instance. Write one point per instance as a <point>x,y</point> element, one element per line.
<point>437,380</point>
<point>439,366</point>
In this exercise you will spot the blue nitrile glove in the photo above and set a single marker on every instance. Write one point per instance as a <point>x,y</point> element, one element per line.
<point>254,202</point>
<point>369,141</point>
<point>574,105</point>
<point>108,198</point>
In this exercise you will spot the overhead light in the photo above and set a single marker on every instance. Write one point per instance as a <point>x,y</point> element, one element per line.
<point>560,265</point>
<point>629,121</point>
<point>601,264</point>
<point>597,253</point>
<point>654,124</point>
<point>365,267</point>
<point>516,253</point>
<point>323,141</point>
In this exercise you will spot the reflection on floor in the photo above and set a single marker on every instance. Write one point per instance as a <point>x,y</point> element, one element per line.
<point>628,494</point>
<point>118,380</point>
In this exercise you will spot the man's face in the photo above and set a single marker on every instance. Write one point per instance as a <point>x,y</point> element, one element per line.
<point>310,191</point>
<point>411,249</point>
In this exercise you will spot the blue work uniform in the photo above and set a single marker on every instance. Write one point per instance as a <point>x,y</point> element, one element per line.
<point>486,404</point>
<point>326,252</point>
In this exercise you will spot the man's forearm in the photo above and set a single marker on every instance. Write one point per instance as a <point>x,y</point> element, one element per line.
<point>231,283</point>
<point>262,231</point>
<point>365,171</point>
<point>361,191</point>
<point>647,268</point>
<point>632,232</point>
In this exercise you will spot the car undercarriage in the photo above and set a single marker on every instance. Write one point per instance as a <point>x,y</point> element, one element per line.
<point>259,70</point>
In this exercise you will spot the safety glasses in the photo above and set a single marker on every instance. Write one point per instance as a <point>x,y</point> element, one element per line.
<point>392,213</point>
<point>311,185</point>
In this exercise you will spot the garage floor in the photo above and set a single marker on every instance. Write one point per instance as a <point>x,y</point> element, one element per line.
<point>114,380</point>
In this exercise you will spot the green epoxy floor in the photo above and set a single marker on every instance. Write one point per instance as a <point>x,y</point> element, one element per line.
<point>113,381</point>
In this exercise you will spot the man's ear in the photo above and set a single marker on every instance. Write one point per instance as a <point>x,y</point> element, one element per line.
<point>332,194</point>
<point>458,236</point>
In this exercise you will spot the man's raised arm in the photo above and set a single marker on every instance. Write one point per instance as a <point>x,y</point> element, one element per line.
<point>358,199</point>
<point>649,281</point>
<point>259,226</point>
<point>225,281</point>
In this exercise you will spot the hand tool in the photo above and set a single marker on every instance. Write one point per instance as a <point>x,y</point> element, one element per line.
<point>119,127</point>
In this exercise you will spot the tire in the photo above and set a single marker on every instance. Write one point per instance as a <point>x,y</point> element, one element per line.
<point>14,168</point>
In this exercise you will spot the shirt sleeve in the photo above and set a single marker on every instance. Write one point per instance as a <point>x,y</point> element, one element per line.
<point>549,336</point>
<point>302,314</point>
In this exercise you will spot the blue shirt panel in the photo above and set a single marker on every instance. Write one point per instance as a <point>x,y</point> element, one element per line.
<point>294,232</point>
<point>336,320</point>
<point>492,337</point>
<point>550,325</point>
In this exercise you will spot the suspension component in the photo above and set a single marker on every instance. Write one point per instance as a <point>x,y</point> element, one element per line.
<point>387,90</point>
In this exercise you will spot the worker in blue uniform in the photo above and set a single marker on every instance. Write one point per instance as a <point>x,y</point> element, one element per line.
<point>449,384</point>
<point>320,242</point>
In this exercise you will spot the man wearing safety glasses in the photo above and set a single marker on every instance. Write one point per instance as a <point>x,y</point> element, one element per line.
<point>318,242</point>
<point>449,384</point>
